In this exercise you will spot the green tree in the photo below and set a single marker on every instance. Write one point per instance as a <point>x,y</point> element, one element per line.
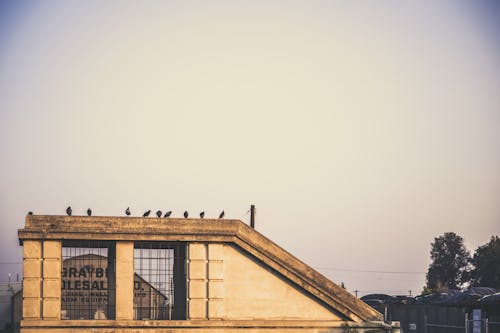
<point>450,262</point>
<point>486,262</point>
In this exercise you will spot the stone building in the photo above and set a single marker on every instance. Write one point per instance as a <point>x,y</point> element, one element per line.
<point>124,274</point>
<point>8,292</point>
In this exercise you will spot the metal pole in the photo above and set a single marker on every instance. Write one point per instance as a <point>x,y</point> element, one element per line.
<point>486,328</point>
<point>425,323</point>
<point>252,216</point>
<point>466,324</point>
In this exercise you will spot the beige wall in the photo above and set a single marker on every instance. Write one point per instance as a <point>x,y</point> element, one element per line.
<point>52,266</point>
<point>254,292</point>
<point>124,280</point>
<point>32,278</point>
<point>226,283</point>
<point>42,280</point>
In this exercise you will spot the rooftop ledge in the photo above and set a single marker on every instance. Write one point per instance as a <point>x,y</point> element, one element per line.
<point>278,324</point>
<point>55,227</point>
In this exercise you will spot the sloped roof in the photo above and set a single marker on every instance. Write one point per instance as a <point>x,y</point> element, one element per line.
<point>210,230</point>
<point>491,299</point>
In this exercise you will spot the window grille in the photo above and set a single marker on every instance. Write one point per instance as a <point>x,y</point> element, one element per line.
<point>159,280</point>
<point>88,280</point>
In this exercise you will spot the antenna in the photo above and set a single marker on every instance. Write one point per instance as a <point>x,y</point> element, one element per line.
<point>252,216</point>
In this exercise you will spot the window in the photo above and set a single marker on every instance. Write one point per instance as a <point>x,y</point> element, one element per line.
<point>160,280</point>
<point>88,280</point>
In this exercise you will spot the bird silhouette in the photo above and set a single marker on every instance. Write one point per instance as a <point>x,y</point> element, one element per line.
<point>89,212</point>
<point>202,215</point>
<point>158,213</point>
<point>167,214</point>
<point>127,211</point>
<point>146,214</point>
<point>30,213</point>
<point>221,216</point>
<point>186,214</point>
<point>69,211</point>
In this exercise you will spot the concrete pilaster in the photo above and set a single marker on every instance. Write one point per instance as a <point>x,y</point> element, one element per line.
<point>32,278</point>
<point>124,280</point>
<point>197,286</point>
<point>206,277</point>
<point>215,281</point>
<point>52,280</point>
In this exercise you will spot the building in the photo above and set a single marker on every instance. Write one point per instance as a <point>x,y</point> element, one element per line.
<point>124,274</point>
<point>8,290</point>
<point>476,309</point>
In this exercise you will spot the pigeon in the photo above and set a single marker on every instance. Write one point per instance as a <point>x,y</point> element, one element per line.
<point>127,211</point>
<point>202,215</point>
<point>158,213</point>
<point>167,214</point>
<point>89,212</point>
<point>30,213</point>
<point>146,214</point>
<point>69,211</point>
<point>221,216</point>
<point>186,214</point>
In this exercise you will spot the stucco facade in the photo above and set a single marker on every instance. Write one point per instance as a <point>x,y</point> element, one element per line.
<point>235,280</point>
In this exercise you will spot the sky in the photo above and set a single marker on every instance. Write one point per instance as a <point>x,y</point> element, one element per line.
<point>360,130</point>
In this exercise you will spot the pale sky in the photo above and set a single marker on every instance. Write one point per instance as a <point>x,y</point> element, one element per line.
<point>360,130</point>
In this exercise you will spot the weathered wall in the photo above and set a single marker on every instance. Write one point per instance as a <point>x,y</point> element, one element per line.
<point>226,283</point>
<point>254,292</point>
<point>124,280</point>
<point>32,272</point>
<point>52,266</point>
<point>205,287</point>
<point>42,280</point>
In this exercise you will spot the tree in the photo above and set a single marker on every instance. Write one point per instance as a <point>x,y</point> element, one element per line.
<point>450,262</point>
<point>486,262</point>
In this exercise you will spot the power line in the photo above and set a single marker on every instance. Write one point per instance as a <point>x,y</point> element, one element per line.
<point>366,271</point>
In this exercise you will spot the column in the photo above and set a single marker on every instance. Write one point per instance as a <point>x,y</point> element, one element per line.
<point>215,281</point>
<point>197,292</point>
<point>51,280</point>
<point>124,280</point>
<point>32,269</point>
<point>179,311</point>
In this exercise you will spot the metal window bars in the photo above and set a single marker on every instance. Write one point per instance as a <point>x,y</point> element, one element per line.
<point>88,280</point>
<point>159,281</point>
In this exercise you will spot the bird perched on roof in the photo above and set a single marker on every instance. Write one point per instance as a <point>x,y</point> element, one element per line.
<point>167,214</point>
<point>146,214</point>
<point>30,213</point>
<point>158,213</point>
<point>89,212</point>
<point>186,214</point>
<point>221,216</point>
<point>69,211</point>
<point>127,211</point>
<point>202,215</point>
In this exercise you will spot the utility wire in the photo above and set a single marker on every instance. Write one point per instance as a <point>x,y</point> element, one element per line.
<point>242,216</point>
<point>365,271</point>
